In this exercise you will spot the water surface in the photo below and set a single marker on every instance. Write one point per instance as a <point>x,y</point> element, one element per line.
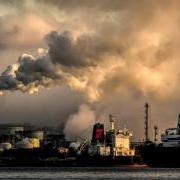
<point>89,173</point>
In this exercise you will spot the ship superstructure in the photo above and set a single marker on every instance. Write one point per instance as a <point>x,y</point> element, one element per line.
<point>114,143</point>
<point>171,137</point>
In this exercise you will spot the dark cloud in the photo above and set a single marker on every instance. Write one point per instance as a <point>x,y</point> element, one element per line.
<point>31,69</point>
<point>63,51</point>
<point>106,50</point>
<point>85,51</point>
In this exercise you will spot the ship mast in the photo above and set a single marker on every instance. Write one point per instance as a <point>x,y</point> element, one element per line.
<point>178,125</point>
<point>112,123</point>
<point>146,121</point>
<point>155,134</point>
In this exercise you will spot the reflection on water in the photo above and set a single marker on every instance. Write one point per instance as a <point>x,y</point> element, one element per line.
<point>89,173</point>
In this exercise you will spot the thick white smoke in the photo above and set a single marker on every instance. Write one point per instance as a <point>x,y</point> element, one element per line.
<point>118,53</point>
<point>89,64</point>
<point>80,125</point>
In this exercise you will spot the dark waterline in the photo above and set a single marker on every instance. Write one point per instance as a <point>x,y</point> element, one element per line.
<point>89,173</point>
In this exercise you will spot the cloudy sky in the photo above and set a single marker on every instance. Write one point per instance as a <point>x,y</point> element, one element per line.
<point>76,61</point>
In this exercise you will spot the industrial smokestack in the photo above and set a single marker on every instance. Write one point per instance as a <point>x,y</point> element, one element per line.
<point>98,133</point>
<point>146,121</point>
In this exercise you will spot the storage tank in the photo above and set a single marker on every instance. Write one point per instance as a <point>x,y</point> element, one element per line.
<point>10,129</point>
<point>24,144</point>
<point>98,133</point>
<point>35,134</point>
<point>5,146</point>
<point>35,142</point>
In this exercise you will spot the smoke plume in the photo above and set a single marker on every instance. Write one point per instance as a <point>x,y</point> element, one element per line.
<point>115,54</point>
<point>80,125</point>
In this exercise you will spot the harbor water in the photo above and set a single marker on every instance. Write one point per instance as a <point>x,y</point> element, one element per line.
<point>89,173</point>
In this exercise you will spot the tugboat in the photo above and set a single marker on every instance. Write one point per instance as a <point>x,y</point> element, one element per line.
<point>166,153</point>
<point>110,148</point>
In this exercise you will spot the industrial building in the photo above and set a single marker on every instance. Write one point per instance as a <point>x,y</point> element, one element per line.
<point>28,137</point>
<point>16,136</point>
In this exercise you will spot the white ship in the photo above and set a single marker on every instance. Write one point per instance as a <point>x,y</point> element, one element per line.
<point>171,137</point>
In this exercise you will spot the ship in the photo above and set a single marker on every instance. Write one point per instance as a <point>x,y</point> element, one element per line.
<point>163,154</point>
<point>108,148</point>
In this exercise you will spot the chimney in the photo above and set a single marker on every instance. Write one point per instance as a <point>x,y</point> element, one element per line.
<point>146,121</point>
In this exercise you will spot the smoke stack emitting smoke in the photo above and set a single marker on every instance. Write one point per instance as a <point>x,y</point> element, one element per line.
<point>123,54</point>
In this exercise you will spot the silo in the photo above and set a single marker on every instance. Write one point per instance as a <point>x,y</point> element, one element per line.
<point>24,144</point>
<point>5,146</point>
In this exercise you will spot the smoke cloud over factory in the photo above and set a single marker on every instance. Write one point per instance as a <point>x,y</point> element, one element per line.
<point>110,56</point>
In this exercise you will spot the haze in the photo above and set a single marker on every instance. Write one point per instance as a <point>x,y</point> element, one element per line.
<point>61,60</point>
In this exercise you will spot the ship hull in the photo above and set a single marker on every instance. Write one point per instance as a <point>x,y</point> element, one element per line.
<point>104,161</point>
<point>42,158</point>
<point>158,156</point>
